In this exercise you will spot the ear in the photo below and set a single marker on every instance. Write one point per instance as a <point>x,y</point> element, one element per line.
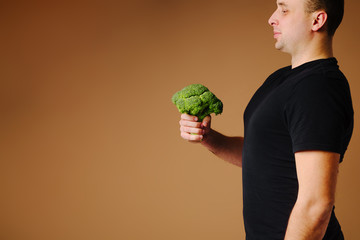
<point>319,20</point>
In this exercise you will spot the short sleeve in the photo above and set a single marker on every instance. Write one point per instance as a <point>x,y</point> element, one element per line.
<point>319,115</point>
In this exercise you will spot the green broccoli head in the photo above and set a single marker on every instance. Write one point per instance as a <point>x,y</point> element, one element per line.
<point>197,100</point>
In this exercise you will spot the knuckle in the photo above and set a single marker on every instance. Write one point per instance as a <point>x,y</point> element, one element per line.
<point>183,135</point>
<point>184,123</point>
<point>183,129</point>
<point>184,116</point>
<point>194,137</point>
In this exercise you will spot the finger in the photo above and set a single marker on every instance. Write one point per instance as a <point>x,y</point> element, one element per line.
<point>187,123</point>
<point>186,116</point>
<point>198,131</point>
<point>206,121</point>
<point>191,137</point>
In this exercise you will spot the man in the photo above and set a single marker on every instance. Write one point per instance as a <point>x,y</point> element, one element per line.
<point>298,125</point>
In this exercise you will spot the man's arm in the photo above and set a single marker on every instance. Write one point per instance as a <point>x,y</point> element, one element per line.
<point>226,148</point>
<point>317,175</point>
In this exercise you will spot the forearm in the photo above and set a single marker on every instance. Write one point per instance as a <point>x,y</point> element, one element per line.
<point>308,221</point>
<point>226,148</point>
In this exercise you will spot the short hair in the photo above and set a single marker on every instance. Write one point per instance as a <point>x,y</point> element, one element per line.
<point>334,10</point>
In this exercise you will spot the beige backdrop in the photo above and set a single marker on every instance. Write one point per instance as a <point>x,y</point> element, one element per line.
<point>89,139</point>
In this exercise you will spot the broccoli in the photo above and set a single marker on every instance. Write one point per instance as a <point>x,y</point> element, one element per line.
<point>197,100</point>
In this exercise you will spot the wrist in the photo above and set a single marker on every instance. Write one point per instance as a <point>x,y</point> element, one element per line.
<point>208,140</point>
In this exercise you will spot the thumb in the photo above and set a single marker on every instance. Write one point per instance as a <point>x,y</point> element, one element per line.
<point>206,122</point>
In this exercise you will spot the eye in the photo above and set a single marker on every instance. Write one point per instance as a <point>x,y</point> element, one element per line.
<point>284,11</point>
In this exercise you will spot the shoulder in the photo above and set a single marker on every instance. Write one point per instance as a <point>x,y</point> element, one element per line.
<point>320,91</point>
<point>324,77</point>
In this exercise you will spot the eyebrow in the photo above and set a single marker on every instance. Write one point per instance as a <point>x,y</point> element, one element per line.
<point>280,3</point>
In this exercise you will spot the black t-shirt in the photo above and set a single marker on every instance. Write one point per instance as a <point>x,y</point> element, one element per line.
<point>305,108</point>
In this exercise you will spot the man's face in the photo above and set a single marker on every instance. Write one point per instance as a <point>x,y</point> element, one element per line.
<point>291,25</point>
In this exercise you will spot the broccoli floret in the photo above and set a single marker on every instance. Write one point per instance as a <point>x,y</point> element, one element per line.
<point>197,100</point>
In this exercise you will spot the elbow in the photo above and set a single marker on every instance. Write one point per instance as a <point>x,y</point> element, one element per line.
<point>323,210</point>
<point>322,214</point>
<point>318,210</point>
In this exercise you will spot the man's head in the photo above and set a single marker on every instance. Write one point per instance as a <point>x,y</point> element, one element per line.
<point>333,8</point>
<point>299,23</point>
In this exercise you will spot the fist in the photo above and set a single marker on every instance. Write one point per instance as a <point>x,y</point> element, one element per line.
<point>192,130</point>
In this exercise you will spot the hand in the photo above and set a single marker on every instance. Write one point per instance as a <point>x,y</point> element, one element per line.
<point>192,130</point>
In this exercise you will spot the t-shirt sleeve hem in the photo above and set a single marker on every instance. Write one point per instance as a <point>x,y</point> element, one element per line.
<point>320,147</point>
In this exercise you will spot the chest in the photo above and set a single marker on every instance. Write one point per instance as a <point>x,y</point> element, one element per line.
<point>267,141</point>
<point>264,114</point>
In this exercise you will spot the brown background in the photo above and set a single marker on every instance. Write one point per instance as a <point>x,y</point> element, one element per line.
<point>89,140</point>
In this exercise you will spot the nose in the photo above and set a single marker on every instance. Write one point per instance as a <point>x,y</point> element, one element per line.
<point>273,20</point>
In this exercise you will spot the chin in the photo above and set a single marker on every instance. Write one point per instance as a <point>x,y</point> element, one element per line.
<point>279,46</point>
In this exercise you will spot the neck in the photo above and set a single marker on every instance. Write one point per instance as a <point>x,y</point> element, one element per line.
<point>315,50</point>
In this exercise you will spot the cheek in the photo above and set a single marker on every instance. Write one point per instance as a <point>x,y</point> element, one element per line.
<point>298,29</point>
<point>301,24</point>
